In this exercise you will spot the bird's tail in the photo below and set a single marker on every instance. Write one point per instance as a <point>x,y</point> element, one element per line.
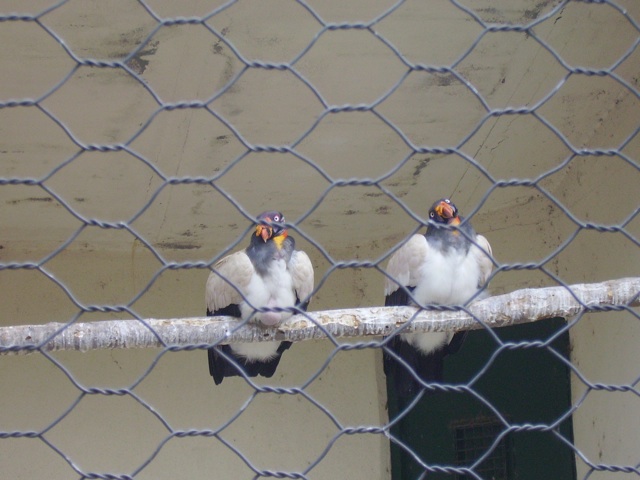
<point>427,367</point>
<point>223,362</point>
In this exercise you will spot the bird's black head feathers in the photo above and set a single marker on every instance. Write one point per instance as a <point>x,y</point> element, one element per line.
<point>444,212</point>
<point>270,242</point>
<point>270,225</point>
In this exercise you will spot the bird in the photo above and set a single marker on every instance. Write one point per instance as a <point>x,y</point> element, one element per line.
<point>448,265</point>
<point>269,273</point>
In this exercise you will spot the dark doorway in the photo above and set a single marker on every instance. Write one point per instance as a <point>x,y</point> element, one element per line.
<point>524,385</point>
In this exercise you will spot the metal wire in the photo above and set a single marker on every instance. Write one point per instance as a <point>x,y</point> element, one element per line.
<point>456,150</point>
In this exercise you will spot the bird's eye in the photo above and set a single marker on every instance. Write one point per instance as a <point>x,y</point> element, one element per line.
<point>431,214</point>
<point>276,218</point>
<point>447,200</point>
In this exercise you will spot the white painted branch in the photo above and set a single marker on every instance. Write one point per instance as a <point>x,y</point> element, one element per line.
<point>522,306</point>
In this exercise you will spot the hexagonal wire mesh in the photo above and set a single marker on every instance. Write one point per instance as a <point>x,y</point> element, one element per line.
<point>141,139</point>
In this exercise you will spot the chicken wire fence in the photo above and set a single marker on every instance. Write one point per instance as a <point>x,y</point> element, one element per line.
<point>86,91</point>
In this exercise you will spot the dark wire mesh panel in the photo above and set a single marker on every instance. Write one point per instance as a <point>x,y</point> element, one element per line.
<point>473,440</point>
<point>140,139</point>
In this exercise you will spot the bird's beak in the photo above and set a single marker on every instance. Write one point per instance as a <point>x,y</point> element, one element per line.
<point>445,210</point>
<point>264,231</point>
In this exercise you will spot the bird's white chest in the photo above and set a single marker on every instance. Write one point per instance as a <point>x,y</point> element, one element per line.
<point>274,289</point>
<point>449,278</point>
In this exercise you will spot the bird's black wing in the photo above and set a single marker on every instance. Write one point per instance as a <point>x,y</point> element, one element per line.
<point>404,383</point>
<point>219,367</point>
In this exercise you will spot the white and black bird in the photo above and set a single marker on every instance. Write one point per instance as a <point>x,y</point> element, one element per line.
<point>269,273</point>
<point>441,267</point>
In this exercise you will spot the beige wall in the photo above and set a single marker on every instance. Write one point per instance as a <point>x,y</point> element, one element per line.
<point>189,222</point>
<point>117,434</point>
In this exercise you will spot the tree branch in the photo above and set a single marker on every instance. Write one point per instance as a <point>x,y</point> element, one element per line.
<point>522,306</point>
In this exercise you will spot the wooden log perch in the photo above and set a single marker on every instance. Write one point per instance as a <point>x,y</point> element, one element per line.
<point>522,306</point>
